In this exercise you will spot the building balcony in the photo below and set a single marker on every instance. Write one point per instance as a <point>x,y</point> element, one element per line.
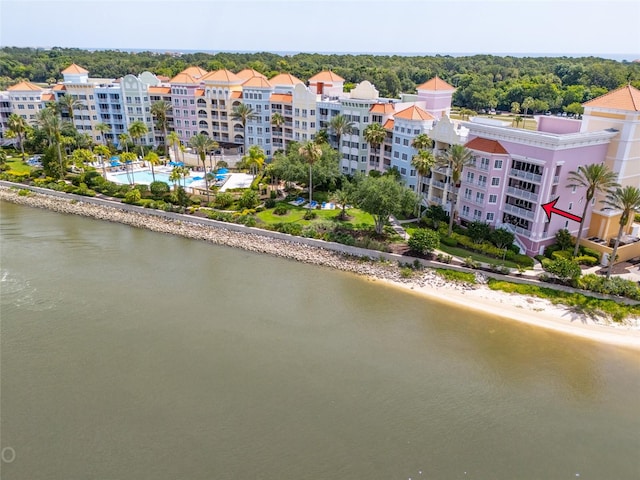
<point>532,177</point>
<point>517,192</point>
<point>521,212</point>
<point>202,115</point>
<point>481,184</point>
<point>439,184</point>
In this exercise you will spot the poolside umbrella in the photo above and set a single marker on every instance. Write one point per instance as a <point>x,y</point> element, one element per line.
<point>115,163</point>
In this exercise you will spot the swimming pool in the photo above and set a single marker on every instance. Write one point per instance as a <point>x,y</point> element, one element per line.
<point>145,177</point>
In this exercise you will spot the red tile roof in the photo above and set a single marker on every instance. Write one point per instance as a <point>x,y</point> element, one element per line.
<point>236,94</point>
<point>436,83</point>
<point>24,87</point>
<point>485,145</point>
<point>388,125</point>
<point>382,108</point>
<point>160,90</point>
<point>623,98</point>
<point>326,76</point>
<point>73,68</point>
<point>48,97</point>
<point>280,98</point>
<point>222,76</point>
<point>257,82</point>
<point>414,113</point>
<point>59,86</point>
<point>198,92</point>
<point>284,79</point>
<point>184,78</point>
<point>248,73</point>
<point>195,72</point>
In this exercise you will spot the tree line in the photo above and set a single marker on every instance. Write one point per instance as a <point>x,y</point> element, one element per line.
<point>482,81</point>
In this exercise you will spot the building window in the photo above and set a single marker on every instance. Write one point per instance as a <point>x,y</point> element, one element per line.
<point>404,156</point>
<point>493,199</point>
<point>490,217</point>
<point>495,182</point>
<point>497,164</point>
<point>470,176</point>
<point>403,171</point>
<point>405,142</point>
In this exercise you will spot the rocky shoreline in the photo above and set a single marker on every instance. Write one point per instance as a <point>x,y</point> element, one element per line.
<point>220,236</point>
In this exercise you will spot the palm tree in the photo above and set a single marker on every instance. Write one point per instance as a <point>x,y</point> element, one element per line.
<point>243,113</point>
<point>103,151</point>
<point>627,200</point>
<point>423,162</point>
<point>137,130</point>
<point>343,197</point>
<point>153,159</point>
<point>128,158</point>
<point>422,142</point>
<point>321,137</point>
<point>174,141</point>
<point>340,126</point>
<point>123,139</point>
<point>70,103</point>
<point>175,176</point>
<point>254,159</point>
<point>374,135</point>
<point>18,126</point>
<point>311,152</point>
<point>596,178</point>
<point>103,128</point>
<point>456,158</point>
<point>160,111</point>
<point>277,120</point>
<point>202,144</point>
<point>526,105</point>
<point>50,123</point>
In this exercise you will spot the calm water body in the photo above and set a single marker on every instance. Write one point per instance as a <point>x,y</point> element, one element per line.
<point>128,354</point>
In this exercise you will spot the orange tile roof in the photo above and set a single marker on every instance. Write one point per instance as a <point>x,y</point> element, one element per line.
<point>236,94</point>
<point>382,108</point>
<point>388,125</point>
<point>59,86</point>
<point>326,76</point>
<point>248,73</point>
<point>160,90</point>
<point>162,78</point>
<point>73,68</point>
<point>436,83</point>
<point>199,92</point>
<point>24,87</point>
<point>184,78</point>
<point>623,98</point>
<point>414,113</point>
<point>280,98</point>
<point>284,79</point>
<point>48,97</point>
<point>222,76</point>
<point>486,145</point>
<point>257,82</point>
<point>195,72</point>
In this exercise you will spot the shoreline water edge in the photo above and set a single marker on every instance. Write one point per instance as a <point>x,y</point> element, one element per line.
<point>427,283</point>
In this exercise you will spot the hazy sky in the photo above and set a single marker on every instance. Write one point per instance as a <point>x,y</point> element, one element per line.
<point>590,27</point>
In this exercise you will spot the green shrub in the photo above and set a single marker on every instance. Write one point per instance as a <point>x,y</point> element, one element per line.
<point>310,215</point>
<point>448,241</point>
<point>290,228</point>
<point>158,189</point>
<point>471,263</point>
<point>270,202</point>
<point>590,252</point>
<point>455,276</point>
<point>563,268</point>
<point>407,272</point>
<point>249,199</point>
<point>587,260</point>
<point>424,241</point>
<point>132,196</point>
<point>281,209</point>
<point>223,200</point>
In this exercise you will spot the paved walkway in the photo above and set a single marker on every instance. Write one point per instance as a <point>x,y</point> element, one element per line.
<point>395,224</point>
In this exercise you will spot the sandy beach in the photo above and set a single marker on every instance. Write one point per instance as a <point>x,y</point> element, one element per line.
<point>427,283</point>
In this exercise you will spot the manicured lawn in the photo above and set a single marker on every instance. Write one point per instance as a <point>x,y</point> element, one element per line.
<point>16,166</point>
<point>296,215</point>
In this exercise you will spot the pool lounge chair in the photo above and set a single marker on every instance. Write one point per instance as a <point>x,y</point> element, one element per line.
<point>312,204</point>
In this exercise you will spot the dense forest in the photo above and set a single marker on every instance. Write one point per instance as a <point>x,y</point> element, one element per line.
<point>482,81</point>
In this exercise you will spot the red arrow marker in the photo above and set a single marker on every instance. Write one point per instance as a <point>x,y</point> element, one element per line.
<point>550,208</point>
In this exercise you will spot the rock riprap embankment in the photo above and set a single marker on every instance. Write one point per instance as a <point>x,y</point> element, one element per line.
<point>221,236</point>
